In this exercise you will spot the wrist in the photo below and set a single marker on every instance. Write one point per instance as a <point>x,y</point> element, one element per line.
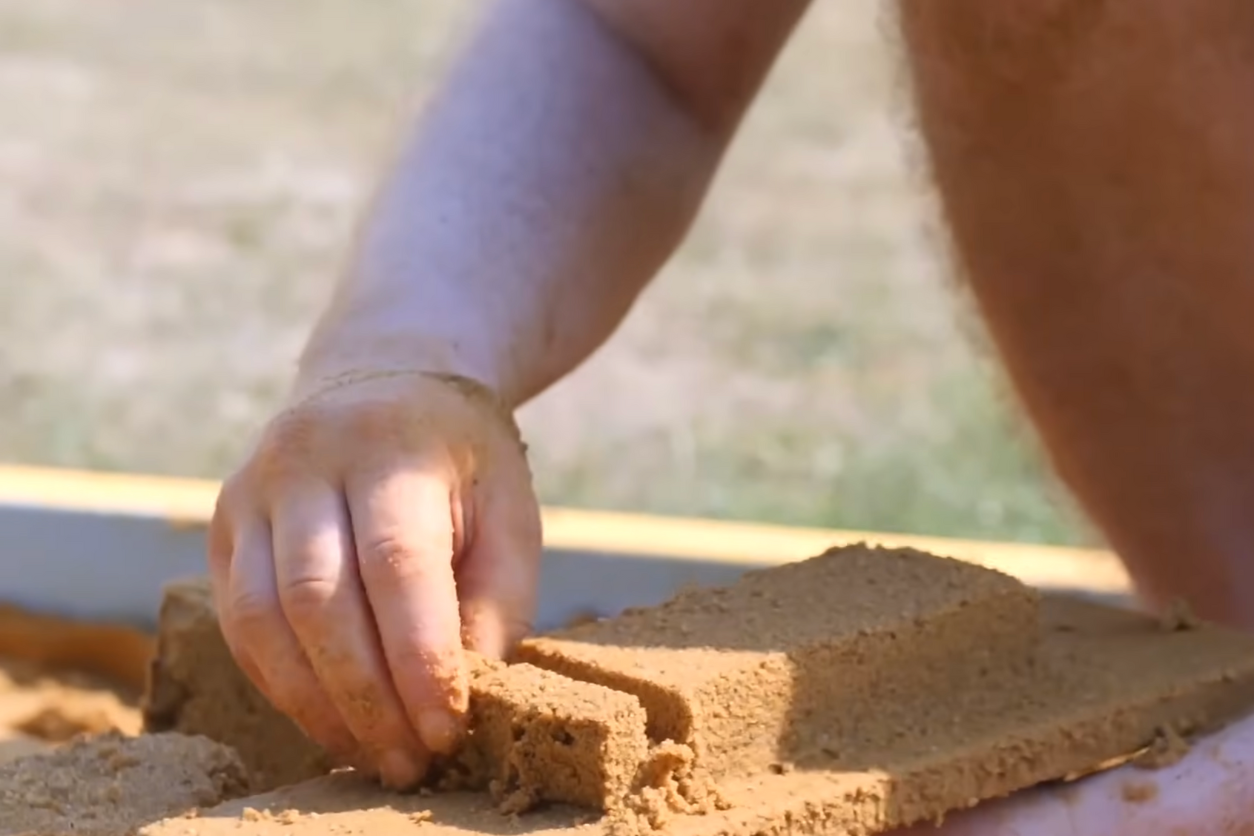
<point>340,350</point>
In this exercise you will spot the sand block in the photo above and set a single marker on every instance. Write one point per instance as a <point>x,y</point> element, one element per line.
<point>111,785</point>
<point>538,736</point>
<point>851,642</point>
<point>1114,680</point>
<point>196,688</point>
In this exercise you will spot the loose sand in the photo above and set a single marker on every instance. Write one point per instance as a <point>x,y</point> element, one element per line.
<point>110,785</point>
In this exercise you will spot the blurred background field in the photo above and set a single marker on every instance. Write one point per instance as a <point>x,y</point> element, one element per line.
<point>179,181</point>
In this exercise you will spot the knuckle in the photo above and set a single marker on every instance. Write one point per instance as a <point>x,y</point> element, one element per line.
<point>306,599</point>
<point>386,553</point>
<point>387,558</point>
<point>286,447</point>
<point>233,495</point>
<point>249,612</point>
<point>397,428</point>
<point>382,421</point>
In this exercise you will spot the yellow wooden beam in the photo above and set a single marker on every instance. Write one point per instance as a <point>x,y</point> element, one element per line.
<point>189,502</point>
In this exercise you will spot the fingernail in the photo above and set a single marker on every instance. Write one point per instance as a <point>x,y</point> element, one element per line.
<point>439,731</point>
<point>398,770</point>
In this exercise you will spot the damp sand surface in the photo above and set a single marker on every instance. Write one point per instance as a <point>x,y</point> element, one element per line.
<point>1069,687</point>
<point>1123,679</point>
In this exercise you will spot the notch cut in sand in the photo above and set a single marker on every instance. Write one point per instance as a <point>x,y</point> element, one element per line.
<point>856,692</point>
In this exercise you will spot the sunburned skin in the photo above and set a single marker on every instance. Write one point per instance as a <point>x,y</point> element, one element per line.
<point>1092,160</point>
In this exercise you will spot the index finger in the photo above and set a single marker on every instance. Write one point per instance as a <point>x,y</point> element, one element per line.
<point>402,517</point>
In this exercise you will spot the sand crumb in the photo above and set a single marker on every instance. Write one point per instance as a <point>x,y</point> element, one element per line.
<point>1179,616</point>
<point>1138,792</point>
<point>1168,748</point>
<point>286,816</point>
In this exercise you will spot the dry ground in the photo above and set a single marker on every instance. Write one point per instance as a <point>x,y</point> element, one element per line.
<point>178,181</point>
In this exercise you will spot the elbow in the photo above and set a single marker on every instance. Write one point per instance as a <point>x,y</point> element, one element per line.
<point>708,57</point>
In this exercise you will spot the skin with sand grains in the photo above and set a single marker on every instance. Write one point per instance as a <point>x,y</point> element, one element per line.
<point>1093,169</point>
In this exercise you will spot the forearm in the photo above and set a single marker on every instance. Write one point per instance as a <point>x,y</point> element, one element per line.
<point>1094,165</point>
<point>544,187</point>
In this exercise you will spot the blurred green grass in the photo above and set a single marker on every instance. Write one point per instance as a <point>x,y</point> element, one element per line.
<point>179,185</point>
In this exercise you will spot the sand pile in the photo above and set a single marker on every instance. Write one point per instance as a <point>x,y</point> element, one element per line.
<point>859,691</point>
<point>110,785</point>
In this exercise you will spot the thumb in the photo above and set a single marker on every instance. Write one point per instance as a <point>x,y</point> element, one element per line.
<point>498,575</point>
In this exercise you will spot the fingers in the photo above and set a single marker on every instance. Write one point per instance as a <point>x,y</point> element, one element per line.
<point>1209,793</point>
<point>334,570</point>
<point>321,596</point>
<point>221,541</point>
<point>498,577</point>
<point>403,526</point>
<point>260,638</point>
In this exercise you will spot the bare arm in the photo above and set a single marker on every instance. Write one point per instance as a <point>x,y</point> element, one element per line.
<point>557,170</point>
<point>1095,168</point>
<point>385,522</point>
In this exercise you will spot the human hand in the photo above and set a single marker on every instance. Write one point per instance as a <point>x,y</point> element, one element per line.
<point>1208,793</point>
<point>383,522</point>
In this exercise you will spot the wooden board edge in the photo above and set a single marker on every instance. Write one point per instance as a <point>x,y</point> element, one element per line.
<point>186,503</point>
